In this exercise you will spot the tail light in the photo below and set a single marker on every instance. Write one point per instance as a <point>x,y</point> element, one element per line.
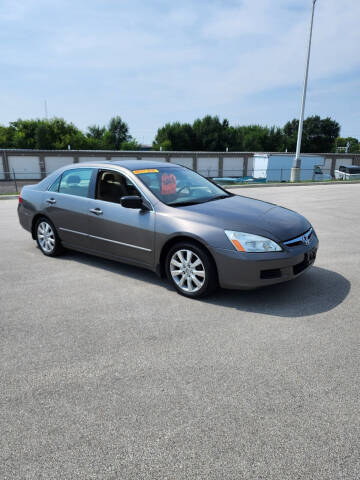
<point>20,198</point>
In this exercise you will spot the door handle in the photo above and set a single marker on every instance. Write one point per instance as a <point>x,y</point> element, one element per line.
<point>51,201</point>
<point>97,211</point>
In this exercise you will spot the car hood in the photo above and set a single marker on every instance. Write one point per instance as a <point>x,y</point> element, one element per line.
<point>245,214</point>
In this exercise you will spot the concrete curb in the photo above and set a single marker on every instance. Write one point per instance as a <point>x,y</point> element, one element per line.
<point>288,184</point>
<point>9,197</point>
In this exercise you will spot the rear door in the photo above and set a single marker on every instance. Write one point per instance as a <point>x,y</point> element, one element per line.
<point>66,203</point>
<point>123,233</point>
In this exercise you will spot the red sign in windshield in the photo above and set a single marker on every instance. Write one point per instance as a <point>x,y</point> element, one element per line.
<point>168,184</point>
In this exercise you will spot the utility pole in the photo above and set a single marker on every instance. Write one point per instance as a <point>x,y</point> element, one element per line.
<point>46,111</point>
<point>295,171</point>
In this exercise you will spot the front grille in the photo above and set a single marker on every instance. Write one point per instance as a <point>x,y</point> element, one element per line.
<point>303,239</point>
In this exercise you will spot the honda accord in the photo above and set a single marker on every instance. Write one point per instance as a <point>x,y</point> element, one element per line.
<point>171,220</point>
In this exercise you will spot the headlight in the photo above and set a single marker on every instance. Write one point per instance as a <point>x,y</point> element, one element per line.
<point>247,242</point>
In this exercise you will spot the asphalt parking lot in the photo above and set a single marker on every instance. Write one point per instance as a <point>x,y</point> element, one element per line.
<point>106,373</point>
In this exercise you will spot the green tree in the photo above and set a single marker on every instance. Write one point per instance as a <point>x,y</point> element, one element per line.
<point>174,136</point>
<point>256,138</point>
<point>211,134</point>
<point>95,137</point>
<point>6,137</point>
<point>67,134</point>
<point>24,133</point>
<point>319,135</point>
<point>236,139</point>
<point>44,137</point>
<point>95,131</point>
<point>116,133</point>
<point>206,134</point>
<point>130,145</point>
<point>55,133</point>
<point>351,143</point>
<point>290,133</point>
<point>166,146</point>
<point>275,141</point>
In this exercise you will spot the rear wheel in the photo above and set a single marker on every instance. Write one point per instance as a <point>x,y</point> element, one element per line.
<point>47,238</point>
<point>191,270</point>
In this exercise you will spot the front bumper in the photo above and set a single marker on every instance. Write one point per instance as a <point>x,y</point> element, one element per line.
<point>240,270</point>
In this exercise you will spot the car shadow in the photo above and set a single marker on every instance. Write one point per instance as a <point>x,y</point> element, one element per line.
<point>131,271</point>
<point>316,291</point>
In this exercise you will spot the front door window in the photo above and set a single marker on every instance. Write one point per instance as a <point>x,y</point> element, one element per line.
<point>111,186</point>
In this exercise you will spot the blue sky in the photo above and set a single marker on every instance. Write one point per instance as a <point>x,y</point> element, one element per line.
<point>160,61</point>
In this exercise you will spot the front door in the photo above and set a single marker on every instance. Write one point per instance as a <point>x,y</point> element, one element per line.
<point>123,233</point>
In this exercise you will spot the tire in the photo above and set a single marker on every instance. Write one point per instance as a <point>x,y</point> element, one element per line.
<point>191,270</point>
<point>47,238</point>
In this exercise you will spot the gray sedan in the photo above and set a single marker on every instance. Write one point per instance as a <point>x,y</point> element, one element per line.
<point>168,219</point>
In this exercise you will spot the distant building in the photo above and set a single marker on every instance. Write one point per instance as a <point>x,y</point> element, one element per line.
<point>145,148</point>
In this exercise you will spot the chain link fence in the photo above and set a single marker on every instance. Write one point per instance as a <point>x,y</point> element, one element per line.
<point>12,182</point>
<point>269,175</point>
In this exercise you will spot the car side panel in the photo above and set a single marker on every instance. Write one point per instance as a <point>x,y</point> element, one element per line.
<point>30,206</point>
<point>170,227</point>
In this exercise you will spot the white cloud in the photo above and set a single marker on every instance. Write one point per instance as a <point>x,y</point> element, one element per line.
<point>280,60</point>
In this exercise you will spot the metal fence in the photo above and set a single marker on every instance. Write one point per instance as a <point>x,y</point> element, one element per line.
<point>268,175</point>
<point>12,182</point>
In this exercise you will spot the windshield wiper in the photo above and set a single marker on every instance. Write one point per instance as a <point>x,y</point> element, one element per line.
<point>219,197</point>
<point>185,204</point>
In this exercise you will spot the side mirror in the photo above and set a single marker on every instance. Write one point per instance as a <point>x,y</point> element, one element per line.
<point>133,201</point>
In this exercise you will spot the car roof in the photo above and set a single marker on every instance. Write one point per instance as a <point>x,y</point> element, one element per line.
<point>135,164</point>
<point>128,164</point>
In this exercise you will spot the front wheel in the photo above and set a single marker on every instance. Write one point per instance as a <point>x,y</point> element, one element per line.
<point>47,238</point>
<point>191,270</point>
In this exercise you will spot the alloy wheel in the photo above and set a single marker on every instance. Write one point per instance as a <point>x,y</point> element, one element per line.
<point>46,237</point>
<point>187,270</point>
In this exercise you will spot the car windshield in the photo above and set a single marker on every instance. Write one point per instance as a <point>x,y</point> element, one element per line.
<point>179,186</point>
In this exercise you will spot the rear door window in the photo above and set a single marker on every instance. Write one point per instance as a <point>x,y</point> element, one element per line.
<point>76,182</point>
<point>55,186</point>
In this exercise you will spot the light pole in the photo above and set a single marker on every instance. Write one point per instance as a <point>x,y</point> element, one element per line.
<point>295,171</point>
